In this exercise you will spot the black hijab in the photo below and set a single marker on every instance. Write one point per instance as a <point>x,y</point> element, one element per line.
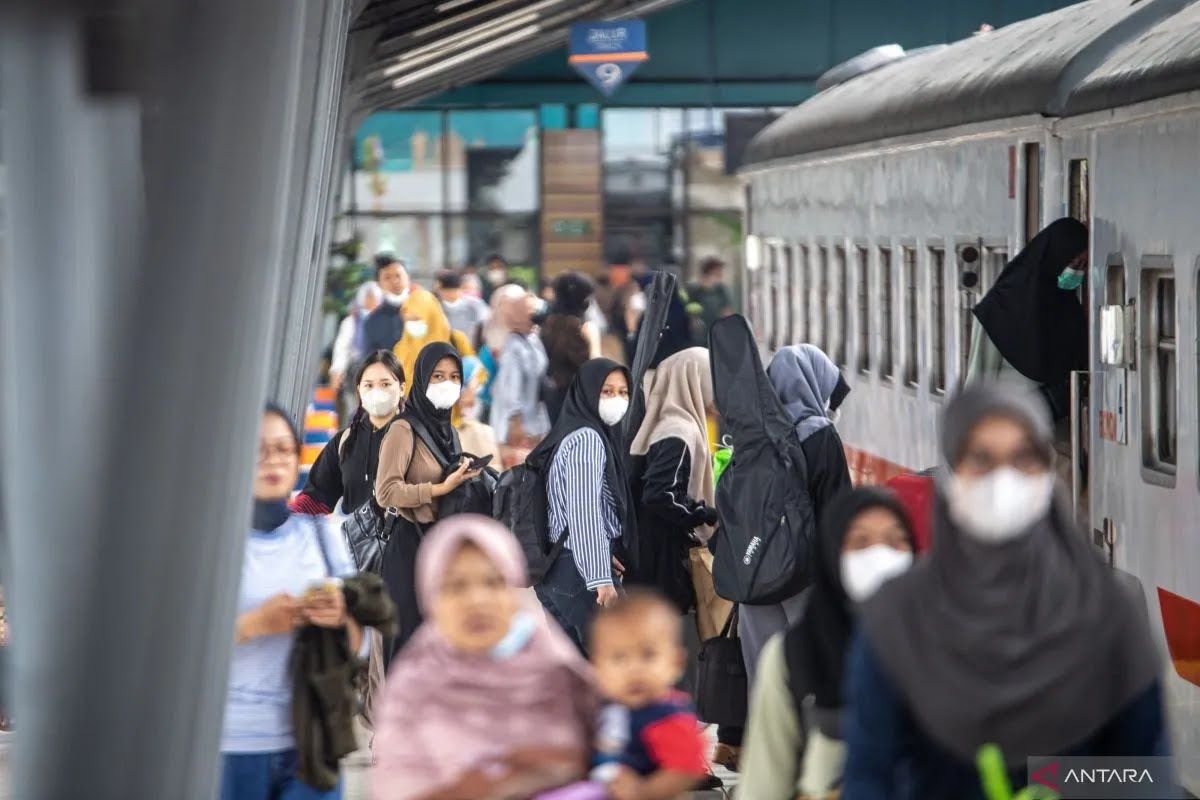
<point>1040,329</point>
<point>572,293</point>
<point>815,647</point>
<point>419,409</point>
<point>581,409</point>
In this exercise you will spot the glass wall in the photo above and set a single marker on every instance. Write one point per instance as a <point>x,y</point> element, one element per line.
<point>445,188</point>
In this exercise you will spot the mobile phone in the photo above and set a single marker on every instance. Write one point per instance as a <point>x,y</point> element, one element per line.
<point>479,463</point>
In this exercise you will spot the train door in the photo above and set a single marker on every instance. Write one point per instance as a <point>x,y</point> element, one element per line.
<point>1078,197</point>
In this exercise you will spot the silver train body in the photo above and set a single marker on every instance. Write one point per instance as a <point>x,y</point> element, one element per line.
<point>874,206</point>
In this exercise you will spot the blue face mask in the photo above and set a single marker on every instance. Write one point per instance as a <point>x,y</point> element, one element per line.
<point>520,631</point>
<point>1070,279</point>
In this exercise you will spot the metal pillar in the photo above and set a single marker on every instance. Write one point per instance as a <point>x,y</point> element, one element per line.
<point>138,288</point>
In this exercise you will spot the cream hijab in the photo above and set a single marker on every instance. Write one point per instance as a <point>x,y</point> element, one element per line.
<point>677,394</point>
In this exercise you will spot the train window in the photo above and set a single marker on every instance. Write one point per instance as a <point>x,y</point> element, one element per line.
<point>864,310</point>
<point>771,292</point>
<point>843,290</point>
<point>887,358</point>
<point>820,307</point>
<point>783,308</point>
<point>937,320</point>
<point>1114,284</point>
<point>1159,410</point>
<point>1033,189</point>
<point>800,296</point>
<point>997,258</point>
<point>910,316</point>
<point>1079,203</point>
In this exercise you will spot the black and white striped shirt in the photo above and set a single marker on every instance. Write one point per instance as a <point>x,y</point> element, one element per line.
<point>581,501</point>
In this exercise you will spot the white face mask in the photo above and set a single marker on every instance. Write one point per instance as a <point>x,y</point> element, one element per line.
<point>864,571</point>
<point>452,303</point>
<point>417,328</point>
<point>396,299</point>
<point>612,409</point>
<point>443,395</point>
<point>496,276</point>
<point>1001,505</point>
<point>380,402</point>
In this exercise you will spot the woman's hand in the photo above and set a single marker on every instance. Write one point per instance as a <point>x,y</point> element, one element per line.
<point>606,595</point>
<point>326,609</point>
<point>627,785</point>
<point>455,479</point>
<point>279,614</point>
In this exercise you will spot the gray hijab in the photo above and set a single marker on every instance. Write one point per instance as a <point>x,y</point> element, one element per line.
<point>1031,644</point>
<point>805,379</point>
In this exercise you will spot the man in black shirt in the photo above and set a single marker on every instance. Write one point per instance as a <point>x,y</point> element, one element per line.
<point>710,293</point>
<point>383,328</point>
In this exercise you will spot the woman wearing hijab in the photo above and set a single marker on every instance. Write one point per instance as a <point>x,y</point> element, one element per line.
<point>484,702</point>
<point>517,414</point>
<point>424,323</point>
<point>477,437</point>
<point>588,497</point>
<point>674,481</point>
<point>1031,323</point>
<point>1011,631</point>
<point>416,468</point>
<point>794,744</point>
<point>345,470</point>
<point>811,389</point>
<point>568,337</point>
<point>285,555</point>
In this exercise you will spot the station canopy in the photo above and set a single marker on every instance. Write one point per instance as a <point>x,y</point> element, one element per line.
<point>404,50</point>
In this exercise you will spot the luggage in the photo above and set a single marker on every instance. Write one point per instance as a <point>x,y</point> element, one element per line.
<point>764,545</point>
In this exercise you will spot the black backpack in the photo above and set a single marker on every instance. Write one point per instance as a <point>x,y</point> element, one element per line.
<point>764,545</point>
<point>471,497</point>
<point>520,504</point>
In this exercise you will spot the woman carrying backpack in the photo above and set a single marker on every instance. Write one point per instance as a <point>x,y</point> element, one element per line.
<point>587,495</point>
<point>412,477</point>
<point>810,387</point>
<point>345,470</point>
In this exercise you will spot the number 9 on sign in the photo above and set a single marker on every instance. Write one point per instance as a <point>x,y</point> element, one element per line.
<point>609,74</point>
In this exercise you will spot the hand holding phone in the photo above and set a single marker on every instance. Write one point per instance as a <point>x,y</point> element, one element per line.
<point>479,463</point>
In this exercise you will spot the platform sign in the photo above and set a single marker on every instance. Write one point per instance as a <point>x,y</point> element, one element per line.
<point>607,53</point>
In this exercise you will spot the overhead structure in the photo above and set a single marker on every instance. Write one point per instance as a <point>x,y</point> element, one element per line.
<point>404,50</point>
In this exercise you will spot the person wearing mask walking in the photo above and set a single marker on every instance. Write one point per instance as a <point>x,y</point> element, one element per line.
<point>495,275</point>
<point>794,745</point>
<point>424,322</point>
<point>465,312</point>
<point>567,336</point>
<point>477,436</point>
<point>345,471</point>
<point>518,415</point>
<point>348,345</point>
<point>588,497</point>
<point>384,326</point>
<point>1010,632</point>
<point>486,701</point>
<point>286,555</point>
<point>412,478</point>
<point>711,293</point>
<point>811,389</point>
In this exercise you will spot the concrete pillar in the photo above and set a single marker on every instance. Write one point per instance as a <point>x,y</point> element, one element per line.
<point>138,290</point>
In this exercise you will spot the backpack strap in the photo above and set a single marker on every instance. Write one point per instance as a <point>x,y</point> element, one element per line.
<point>324,549</point>
<point>421,431</point>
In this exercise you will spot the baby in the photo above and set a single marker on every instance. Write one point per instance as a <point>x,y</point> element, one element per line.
<point>649,742</point>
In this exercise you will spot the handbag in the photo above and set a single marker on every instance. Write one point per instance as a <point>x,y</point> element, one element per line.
<point>722,689</point>
<point>367,531</point>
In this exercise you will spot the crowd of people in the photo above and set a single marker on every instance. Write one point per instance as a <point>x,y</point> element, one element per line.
<point>560,669</point>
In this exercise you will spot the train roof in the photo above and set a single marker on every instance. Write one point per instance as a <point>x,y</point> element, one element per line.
<point>1085,57</point>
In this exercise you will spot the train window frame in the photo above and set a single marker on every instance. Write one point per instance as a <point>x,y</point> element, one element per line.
<point>841,265</point>
<point>936,253</point>
<point>862,254</point>
<point>887,307</point>
<point>1031,156</point>
<point>783,328</point>
<point>910,272</point>
<point>1079,190</point>
<point>770,291</point>
<point>821,308</point>
<point>1160,356</point>
<point>799,292</point>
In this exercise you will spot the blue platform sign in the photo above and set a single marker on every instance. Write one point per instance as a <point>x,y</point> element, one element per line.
<point>607,53</point>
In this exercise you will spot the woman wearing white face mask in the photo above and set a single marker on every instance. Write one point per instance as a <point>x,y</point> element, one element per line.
<point>1011,631</point>
<point>794,741</point>
<point>411,477</point>
<point>345,470</point>
<point>583,462</point>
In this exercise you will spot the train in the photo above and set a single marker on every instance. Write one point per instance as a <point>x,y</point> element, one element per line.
<point>880,210</point>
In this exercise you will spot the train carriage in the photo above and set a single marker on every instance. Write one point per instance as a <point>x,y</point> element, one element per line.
<point>881,210</point>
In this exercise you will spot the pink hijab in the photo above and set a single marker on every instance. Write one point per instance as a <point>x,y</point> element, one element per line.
<point>444,712</point>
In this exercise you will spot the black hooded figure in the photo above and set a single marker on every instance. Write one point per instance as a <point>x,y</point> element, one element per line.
<point>1037,327</point>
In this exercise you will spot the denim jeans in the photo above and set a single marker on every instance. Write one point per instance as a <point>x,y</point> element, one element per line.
<point>566,597</point>
<point>268,776</point>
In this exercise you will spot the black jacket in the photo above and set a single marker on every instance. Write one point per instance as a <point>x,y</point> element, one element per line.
<point>828,473</point>
<point>325,680</point>
<point>382,328</point>
<point>347,472</point>
<point>667,515</point>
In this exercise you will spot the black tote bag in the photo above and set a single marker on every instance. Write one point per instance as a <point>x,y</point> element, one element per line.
<point>722,688</point>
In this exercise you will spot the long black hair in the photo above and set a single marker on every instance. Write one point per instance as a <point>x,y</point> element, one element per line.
<point>361,420</point>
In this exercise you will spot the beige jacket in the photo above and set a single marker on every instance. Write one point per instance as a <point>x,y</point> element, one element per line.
<point>407,474</point>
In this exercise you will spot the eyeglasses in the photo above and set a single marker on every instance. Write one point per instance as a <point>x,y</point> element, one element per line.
<point>275,452</point>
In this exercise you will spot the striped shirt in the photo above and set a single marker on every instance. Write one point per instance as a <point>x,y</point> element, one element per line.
<point>581,501</point>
